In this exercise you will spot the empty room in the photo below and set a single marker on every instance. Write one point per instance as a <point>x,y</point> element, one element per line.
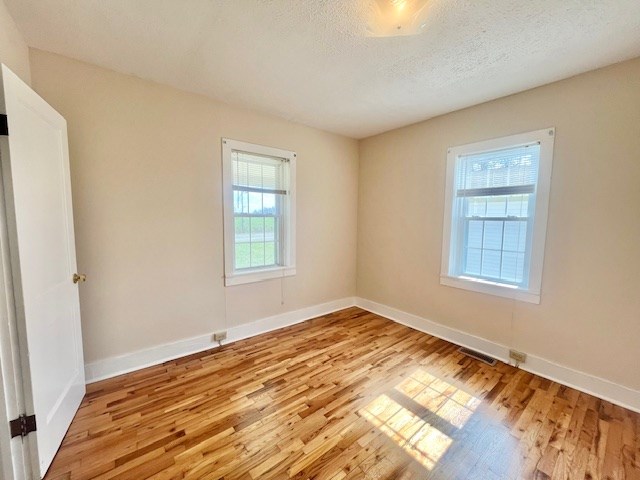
<point>320,239</point>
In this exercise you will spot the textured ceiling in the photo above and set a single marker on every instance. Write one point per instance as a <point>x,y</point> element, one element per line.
<point>311,61</point>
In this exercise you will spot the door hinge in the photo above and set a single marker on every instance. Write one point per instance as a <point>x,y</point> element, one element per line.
<point>4,126</point>
<point>22,426</point>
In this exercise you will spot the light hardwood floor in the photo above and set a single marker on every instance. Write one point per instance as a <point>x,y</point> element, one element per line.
<point>348,395</point>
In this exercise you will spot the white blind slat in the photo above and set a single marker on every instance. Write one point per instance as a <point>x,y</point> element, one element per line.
<point>256,173</point>
<point>512,170</point>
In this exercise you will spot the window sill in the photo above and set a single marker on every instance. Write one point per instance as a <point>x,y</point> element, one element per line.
<point>258,275</point>
<point>491,288</point>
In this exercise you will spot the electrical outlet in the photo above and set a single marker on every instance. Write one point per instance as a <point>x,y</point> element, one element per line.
<point>517,356</point>
<point>219,336</point>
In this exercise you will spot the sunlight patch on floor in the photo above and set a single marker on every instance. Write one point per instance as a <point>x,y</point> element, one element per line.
<point>431,407</point>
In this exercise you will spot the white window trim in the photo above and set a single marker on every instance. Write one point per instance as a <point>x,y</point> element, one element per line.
<point>238,277</point>
<point>545,138</point>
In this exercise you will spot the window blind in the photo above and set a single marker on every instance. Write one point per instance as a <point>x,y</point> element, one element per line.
<point>256,173</point>
<point>504,172</point>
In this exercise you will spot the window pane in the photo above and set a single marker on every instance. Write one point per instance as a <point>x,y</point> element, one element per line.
<point>512,235</point>
<point>493,235</point>
<point>496,206</point>
<point>256,237</point>
<point>476,207</point>
<point>269,228</point>
<point>490,240</point>
<point>269,204</point>
<point>474,238</point>
<point>257,254</point>
<point>277,246</point>
<point>255,202</point>
<point>270,253</point>
<point>509,266</point>
<point>522,239</point>
<point>242,242</point>
<point>520,267</point>
<point>240,202</point>
<point>518,205</point>
<point>242,255</point>
<point>242,229</point>
<point>473,260</point>
<point>491,263</point>
<point>257,229</point>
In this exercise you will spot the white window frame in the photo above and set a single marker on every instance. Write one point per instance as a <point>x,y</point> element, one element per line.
<point>288,261</point>
<point>531,294</point>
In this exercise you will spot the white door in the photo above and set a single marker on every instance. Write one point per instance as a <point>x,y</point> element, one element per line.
<point>37,194</point>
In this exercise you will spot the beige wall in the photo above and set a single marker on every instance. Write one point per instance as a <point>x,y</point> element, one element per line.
<point>146,177</point>
<point>146,184</point>
<point>589,315</point>
<point>14,53</point>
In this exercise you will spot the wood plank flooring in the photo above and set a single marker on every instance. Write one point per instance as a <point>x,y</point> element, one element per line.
<point>350,395</point>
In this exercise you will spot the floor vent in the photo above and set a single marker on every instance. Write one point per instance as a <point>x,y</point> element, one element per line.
<point>478,356</point>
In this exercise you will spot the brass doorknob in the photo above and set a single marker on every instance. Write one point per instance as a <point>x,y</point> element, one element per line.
<point>79,277</point>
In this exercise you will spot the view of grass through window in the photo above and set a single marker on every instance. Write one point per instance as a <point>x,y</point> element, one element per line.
<point>256,244</point>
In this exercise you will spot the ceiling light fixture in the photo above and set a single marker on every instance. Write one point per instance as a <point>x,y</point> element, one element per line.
<point>397,17</point>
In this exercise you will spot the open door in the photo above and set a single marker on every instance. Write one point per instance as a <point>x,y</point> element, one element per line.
<point>39,220</point>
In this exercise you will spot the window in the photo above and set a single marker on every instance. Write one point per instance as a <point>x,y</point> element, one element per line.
<point>496,204</point>
<point>259,212</point>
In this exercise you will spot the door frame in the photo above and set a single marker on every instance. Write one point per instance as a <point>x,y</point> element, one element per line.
<point>18,455</point>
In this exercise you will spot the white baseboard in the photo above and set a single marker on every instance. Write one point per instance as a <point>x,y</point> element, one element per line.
<point>596,386</point>
<point>113,366</point>
<point>599,387</point>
